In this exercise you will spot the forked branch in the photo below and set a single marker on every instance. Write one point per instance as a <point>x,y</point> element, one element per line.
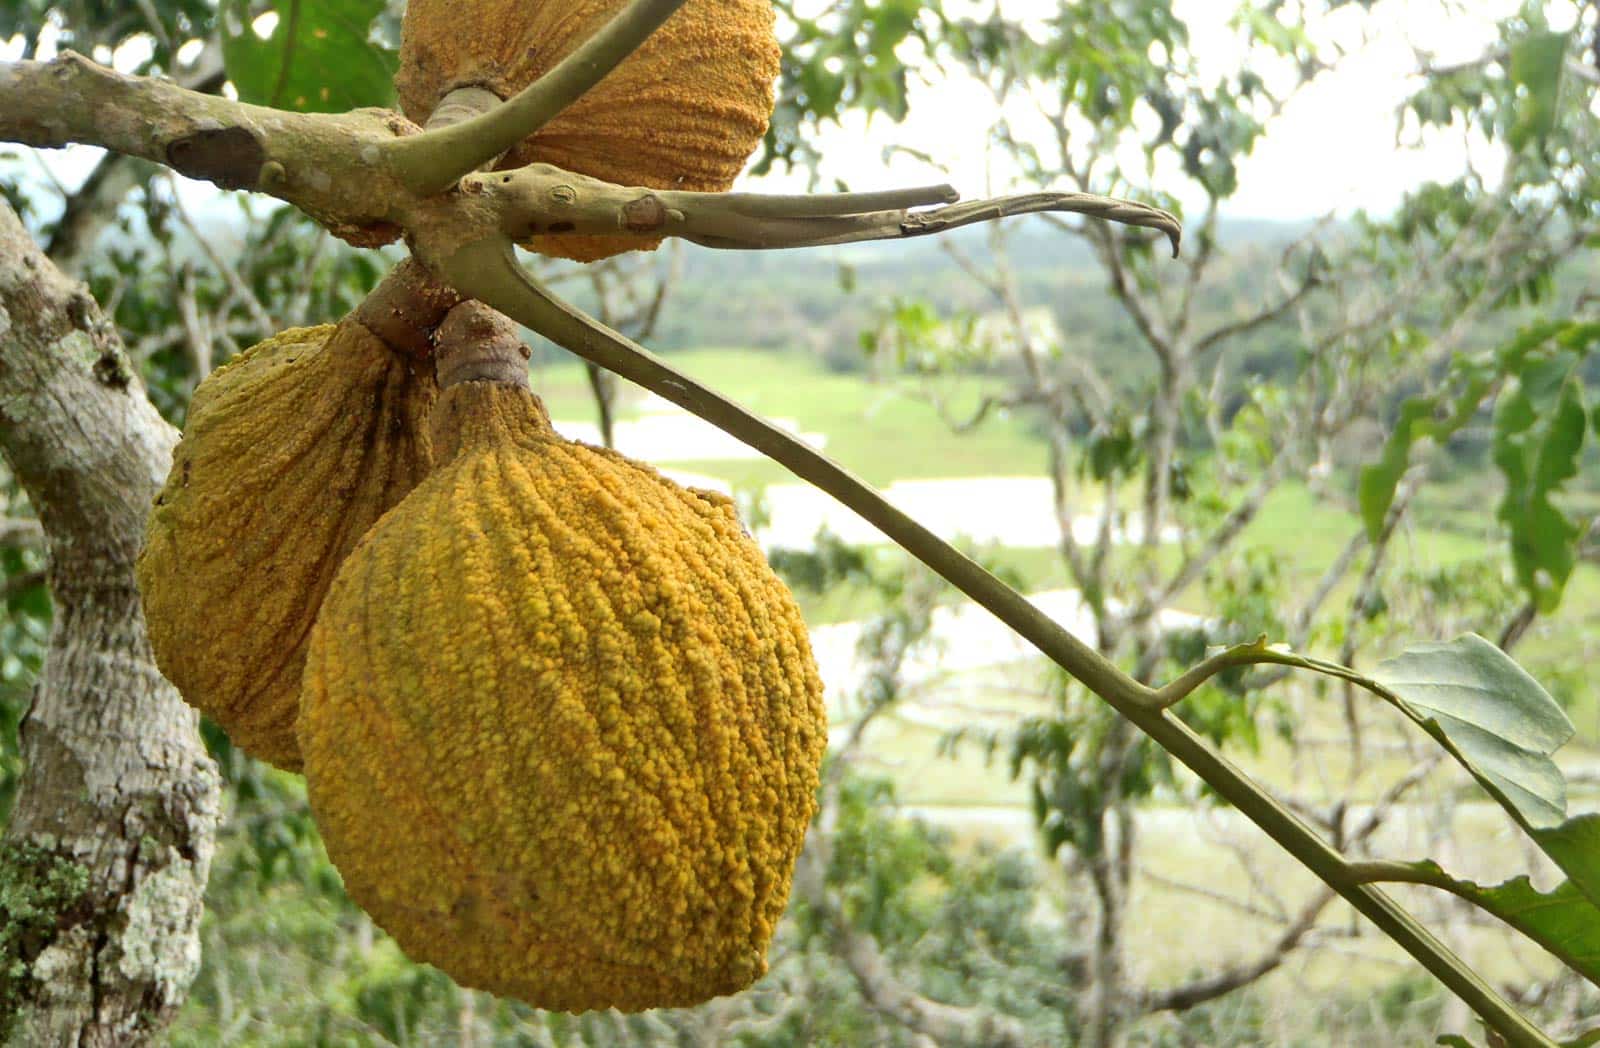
<point>533,199</point>
<point>433,162</point>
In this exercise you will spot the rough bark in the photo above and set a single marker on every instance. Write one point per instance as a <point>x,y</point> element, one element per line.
<point>104,863</point>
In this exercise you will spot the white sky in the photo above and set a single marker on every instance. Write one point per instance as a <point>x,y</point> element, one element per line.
<point>1334,147</point>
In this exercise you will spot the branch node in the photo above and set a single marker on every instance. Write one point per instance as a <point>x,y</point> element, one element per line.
<point>231,157</point>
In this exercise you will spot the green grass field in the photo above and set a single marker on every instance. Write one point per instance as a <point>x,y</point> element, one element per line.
<point>879,431</point>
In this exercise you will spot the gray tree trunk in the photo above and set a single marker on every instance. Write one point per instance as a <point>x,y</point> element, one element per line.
<point>104,863</point>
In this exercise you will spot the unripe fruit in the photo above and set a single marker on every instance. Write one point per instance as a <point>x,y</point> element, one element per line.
<point>561,722</point>
<point>684,111</point>
<point>292,450</point>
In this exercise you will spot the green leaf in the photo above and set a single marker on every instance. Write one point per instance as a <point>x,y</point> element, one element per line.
<point>1418,419</point>
<point>1565,921</point>
<point>1375,489</point>
<point>319,58</point>
<point>1574,846</point>
<point>1539,430</point>
<point>1535,68</point>
<point>1503,726</point>
<point>1492,716</point>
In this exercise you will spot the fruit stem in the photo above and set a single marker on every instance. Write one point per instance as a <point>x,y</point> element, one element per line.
<point>405,308</point>
<point>478,344</point>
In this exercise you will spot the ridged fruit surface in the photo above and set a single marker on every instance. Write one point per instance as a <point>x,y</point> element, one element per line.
<point>561,722</point>
<point>684,111</point>
<point>292,450</point>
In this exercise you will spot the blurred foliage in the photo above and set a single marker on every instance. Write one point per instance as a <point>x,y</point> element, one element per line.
<point>88,25</point>
<point>854,54</point>
<point>150,265</point>
<point>319,57</point>
<point>1537,398</point>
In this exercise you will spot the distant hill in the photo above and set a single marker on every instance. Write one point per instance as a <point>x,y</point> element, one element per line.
<point>819,300</point>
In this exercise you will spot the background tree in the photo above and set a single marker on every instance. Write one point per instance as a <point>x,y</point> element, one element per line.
<point>1194,438</point>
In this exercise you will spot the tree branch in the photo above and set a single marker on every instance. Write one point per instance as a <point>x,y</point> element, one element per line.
<point>1261,317</point>
<point>117,785</point>
<point>318,162</point>
<point>241,291</point>
<point>91,209</point>
<point>94,206</point>
<point>1232,978</point>
<point>532,199</point>
<point>1221,537</point>
<point>1180,998</point>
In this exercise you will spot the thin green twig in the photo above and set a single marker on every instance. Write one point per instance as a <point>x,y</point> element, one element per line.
<point>432,162</point>
<point>1254,654</point>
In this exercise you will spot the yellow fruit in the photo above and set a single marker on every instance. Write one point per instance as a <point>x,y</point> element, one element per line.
<point>291,452</point>
<point>684,111</point>
<point>561,722</point>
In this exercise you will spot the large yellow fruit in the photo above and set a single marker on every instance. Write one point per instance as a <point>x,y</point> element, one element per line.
<point>684,111</point>
<point>291,452</point>
<point>561,722</point>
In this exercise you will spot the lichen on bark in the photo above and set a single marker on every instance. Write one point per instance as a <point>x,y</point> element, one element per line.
<point>39,891</point>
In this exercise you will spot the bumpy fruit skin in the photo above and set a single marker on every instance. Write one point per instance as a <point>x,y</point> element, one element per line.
<point>684,111</point>
<point>561,722</point>
<point>292,451</point>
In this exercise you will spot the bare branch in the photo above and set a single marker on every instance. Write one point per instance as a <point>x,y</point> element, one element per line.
<point>1366,594</point>
<point>1199,262</point>
<point>297,312</point>
<point>316,161</point>
<point>1221,898</point>
<point>1261,317</point>
<point>90,210</point>
<point>197,337</point>
<point>236,284</point>
<point>1236,976</point>
<point>1219,539</point>
<point>530,199</point>
<point>1200,991</point>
